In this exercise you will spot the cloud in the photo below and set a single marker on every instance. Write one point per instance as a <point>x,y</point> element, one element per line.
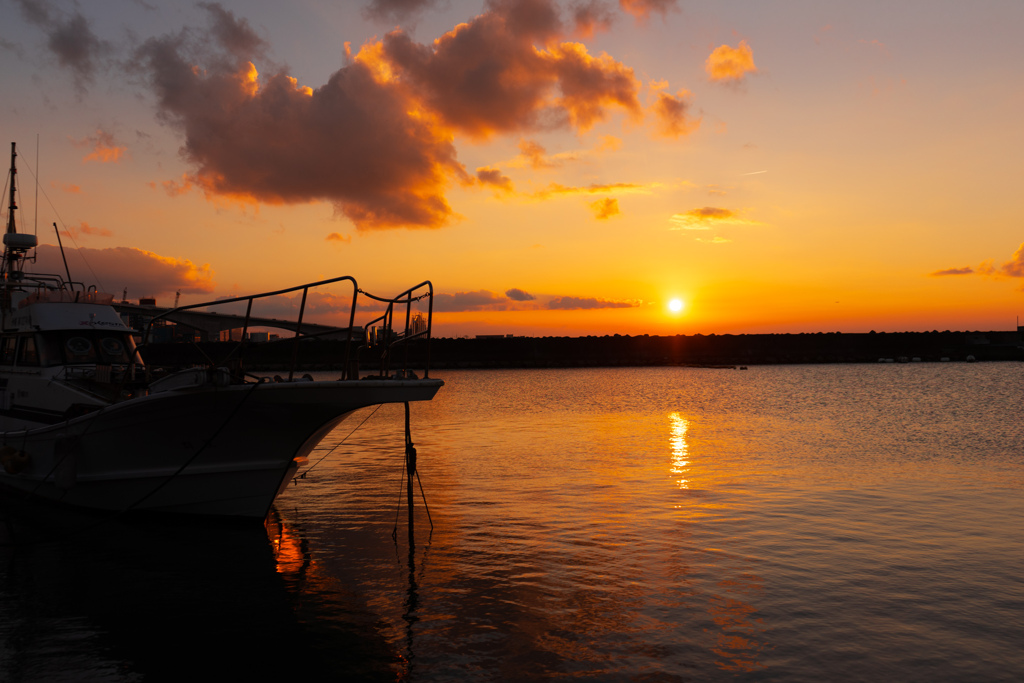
<point>351,142</point>
<point>377,140</point>
<point>519,295</point>
<point>642,9</point>
<point>706,218</point>
<point>1015,266</point>
<point>730,64</point>
<point>494,178</point>
<point>536,156</point>
<point>605,208</point>
<point>338,237</point>
<point>143,272</point>
<point>595,188</point>
<point>396,10</point>
<point>573,303</point>
<point>1012,268</point>
<point>173,188</point>
<point>84,229</point>
<point>671,114</point>
<point>69,188</point>
<point>506,72</point>
<point>967,270</point>
<point>590,85</point>
<point>591,17</point>
<point>104,149</point>
<point>70,38</point>
<point>467,301</point>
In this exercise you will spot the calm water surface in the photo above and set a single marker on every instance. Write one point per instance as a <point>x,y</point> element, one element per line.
<point>663,524</point>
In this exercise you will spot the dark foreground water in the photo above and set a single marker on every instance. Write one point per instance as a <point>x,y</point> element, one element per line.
<point>800,523</point>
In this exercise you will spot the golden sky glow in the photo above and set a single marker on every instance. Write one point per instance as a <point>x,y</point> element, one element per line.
<point>552,170</point>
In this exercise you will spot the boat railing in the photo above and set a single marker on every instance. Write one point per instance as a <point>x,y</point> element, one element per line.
<point>381,333</point>
<point>45,287</point>
<point>235,358</point>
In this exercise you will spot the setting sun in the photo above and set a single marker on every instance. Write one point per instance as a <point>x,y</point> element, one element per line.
<point>675,305</point>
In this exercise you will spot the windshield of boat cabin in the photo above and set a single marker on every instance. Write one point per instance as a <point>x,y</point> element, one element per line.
<point>86,346</point>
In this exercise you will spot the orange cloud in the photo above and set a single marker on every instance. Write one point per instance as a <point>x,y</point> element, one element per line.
<point>605,208</point>
<point>1012,268</point>
<point>671,114</point>
<point>535,155</point>
<point>494,178</point>
<point>467,301</point>
<point>104,149</point>
<point>175,189</point>
<point>84,229</point>
<point>118,267</point>
<point>706,218</point>
<point>351,142</point>
<point>574,303</point>
<point>377,140</point>
<point>591,17</point>
<point>967,270</point>
<point>69,188</point>
<point>517,294</point>
<point>338,237</point>
<point>642,9</point>
<point>590,85</point>
<point>1015,266</point>
<point>620,188</point>
<point>489,76</point>
<point>730,64</point>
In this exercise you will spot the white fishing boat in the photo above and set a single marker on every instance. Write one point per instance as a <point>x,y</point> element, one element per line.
<point>85,421</point>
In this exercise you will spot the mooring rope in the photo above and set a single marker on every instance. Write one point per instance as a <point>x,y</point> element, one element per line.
<point>306,471</point>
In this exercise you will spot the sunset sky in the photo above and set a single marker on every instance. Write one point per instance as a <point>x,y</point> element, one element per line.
<point>554,168</point>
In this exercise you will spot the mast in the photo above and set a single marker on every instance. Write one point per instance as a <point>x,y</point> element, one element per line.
<point>12,206</point>
<point>15,244</point>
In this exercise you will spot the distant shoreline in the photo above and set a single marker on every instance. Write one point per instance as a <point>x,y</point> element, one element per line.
<point>725,350</point>
<point>707,351</point>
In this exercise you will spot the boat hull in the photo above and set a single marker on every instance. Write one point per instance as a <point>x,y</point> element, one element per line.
<point>223,451</point>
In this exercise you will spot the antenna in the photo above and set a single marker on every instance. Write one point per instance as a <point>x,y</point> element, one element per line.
<point>61,245</point>
<point>35,217</point>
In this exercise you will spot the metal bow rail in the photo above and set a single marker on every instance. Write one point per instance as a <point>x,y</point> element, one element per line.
<point>377,335</point>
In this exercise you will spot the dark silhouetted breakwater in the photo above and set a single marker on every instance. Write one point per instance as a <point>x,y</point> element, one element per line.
<point>724,349</point>
<point>623,350</point>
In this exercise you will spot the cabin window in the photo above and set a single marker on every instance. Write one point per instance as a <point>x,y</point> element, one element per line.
<point>7,346</point>
<point>87,347</point>
<point>50,348</point>
<point>27,354</point>
<point>79,348</point>
<point>112,349</point>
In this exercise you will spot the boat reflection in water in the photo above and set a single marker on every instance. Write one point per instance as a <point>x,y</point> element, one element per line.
<point>157,601</point>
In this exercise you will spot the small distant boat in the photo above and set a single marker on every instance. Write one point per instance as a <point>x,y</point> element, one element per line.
<point>86,422</point>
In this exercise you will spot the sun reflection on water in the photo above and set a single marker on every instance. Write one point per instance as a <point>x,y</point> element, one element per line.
<point>680,449</point>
